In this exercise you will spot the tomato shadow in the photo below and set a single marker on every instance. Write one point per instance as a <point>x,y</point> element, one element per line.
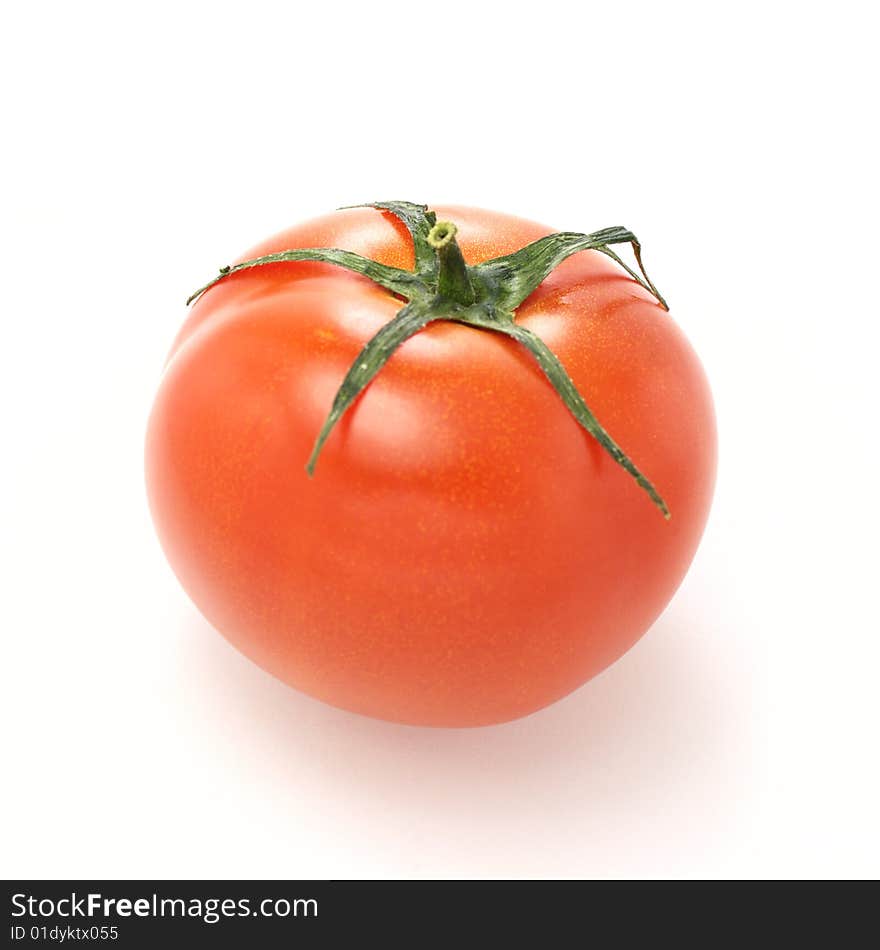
<point>661,732</point>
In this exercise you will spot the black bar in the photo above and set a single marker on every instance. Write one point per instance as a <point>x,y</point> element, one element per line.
<point>262,914</point>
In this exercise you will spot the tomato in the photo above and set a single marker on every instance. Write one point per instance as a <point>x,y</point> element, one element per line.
<point>465,553</point>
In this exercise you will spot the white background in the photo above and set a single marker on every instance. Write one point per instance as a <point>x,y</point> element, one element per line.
<point>145,146</point>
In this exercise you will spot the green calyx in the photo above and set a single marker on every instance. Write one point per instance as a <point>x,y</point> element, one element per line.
<point>485,296</point>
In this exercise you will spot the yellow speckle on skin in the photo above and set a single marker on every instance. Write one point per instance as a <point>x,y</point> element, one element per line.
<point>324,334</point>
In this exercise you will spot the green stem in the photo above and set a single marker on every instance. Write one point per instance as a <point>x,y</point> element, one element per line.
<point>444,287</point>
<point>408,321</point>
<point>398,281</point>
<point>565,387</point>
<point>453,279</point>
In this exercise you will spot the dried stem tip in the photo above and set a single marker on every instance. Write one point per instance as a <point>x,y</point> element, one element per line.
<point>441,234</point>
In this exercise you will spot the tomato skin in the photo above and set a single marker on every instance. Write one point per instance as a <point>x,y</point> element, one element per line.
<point>465,553</point>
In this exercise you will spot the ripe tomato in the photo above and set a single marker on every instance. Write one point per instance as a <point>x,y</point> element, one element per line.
<point>465,553</point>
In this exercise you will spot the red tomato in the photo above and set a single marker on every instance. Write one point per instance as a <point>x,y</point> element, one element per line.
<point>465,553</point>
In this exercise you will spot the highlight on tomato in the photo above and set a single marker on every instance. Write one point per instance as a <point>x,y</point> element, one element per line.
<point>434,466</point>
